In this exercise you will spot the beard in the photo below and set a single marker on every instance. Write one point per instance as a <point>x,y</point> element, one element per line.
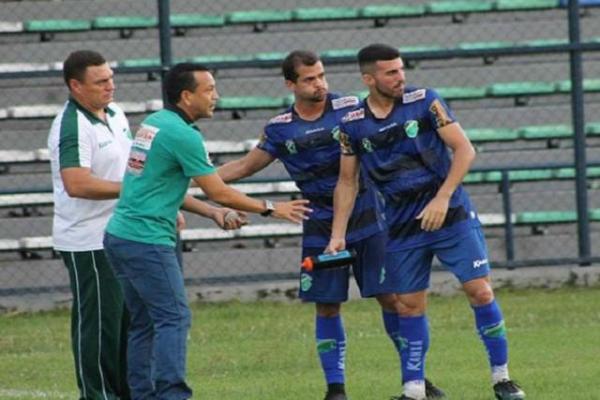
<point>390,93</point>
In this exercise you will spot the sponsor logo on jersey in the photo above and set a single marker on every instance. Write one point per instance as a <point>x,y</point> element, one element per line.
<point>411,97</point>
<point>354,115</point>
<point>411,127</point>
<point>388,126</point>
<point>281,119</point>
<point>319,129</point>
<point>102,145</point>
<point>136,162</point>
<point>479,263</point>
<point>441,114</point>
<point>144,137</point>
<point>343,102</point>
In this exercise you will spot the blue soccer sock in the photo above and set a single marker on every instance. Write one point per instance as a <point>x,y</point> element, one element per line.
<point>490,326</point>
<point>331,346</point>
<point>411,338</point>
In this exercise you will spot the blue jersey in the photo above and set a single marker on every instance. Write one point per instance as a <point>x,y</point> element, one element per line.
<point>408,161</point>
<point>310,152</point>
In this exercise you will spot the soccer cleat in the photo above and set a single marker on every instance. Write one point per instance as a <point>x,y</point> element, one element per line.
<point>508,390</point>
<point>433,392</point>
<point>335,396</point>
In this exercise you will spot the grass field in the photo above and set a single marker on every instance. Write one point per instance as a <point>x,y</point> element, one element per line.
<point>265,351</point>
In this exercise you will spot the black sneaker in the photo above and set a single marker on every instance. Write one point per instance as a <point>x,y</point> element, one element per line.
<point>433,392</point>
<point>335,396</point>
<point>508,390</point>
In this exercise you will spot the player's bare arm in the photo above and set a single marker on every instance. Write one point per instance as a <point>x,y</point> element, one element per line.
<point>80,182</point>
<point>254,161</point>
<point>433,215</point>
<point>216,190</point>
<point>344,197</point>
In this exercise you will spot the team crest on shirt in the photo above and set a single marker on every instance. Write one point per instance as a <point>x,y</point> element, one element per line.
<point>281,119</point>
<point>291,146</point>
<point>414,96</point>
<point>335,133</point>
<point>367,145</point>
<point>354,115</point>
<point>411,127</point>
<point>344,102</point>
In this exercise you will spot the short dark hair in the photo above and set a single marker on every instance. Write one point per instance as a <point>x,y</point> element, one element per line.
<point>294,60</point>
<point>369,55</point>
<point>77,62</point>
<point>179,78</point>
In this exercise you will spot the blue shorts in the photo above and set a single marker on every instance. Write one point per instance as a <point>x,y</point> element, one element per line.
<point>331,285</point>
<point>408,271</point>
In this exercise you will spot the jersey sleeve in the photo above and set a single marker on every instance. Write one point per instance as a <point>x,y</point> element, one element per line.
<point>266,143</point>
<point>75,143</point>
<point>191,153</point>
<point>438,111</point>
<point>346,143</point>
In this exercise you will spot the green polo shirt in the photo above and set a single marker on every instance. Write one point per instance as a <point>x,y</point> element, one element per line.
<point>167,151</point>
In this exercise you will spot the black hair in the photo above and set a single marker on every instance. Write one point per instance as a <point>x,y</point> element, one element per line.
<point>179,78</point>
<point>369,55</point>
<point>77,62</point>
<point>294,60</point>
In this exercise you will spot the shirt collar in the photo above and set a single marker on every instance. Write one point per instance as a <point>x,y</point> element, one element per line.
<point>174,108</point>
<point>91,116</point>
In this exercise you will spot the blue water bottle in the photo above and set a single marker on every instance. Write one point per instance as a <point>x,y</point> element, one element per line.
<point>324,261</point>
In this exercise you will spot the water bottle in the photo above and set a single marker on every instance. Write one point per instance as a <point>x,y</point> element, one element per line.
<point>324,261</point>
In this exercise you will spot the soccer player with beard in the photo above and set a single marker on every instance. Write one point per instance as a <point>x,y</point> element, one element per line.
<point>306,139</point>
<point>400,136</point>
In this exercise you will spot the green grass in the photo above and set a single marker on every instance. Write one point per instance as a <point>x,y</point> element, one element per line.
<point>266,350</point>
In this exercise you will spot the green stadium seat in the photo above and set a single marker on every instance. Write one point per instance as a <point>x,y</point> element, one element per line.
<point>521,88</point>
<point>589,85</point>
<point>325,13</point>
<point>419,49</point>
<point>546,217</point>
<point>140,62</point>
<point>594,215</point>
<point>448,7</point>
<point>196,20</point>
<point>545,132</point>
<point>251,102</point>
<point>515,5</point>
<point>57,25</point>
<point>391,11</point>
<point>124,22</point>
<point>492,134</point>
<point>544,42</point>
<point>593,128</point>
<point>483,177</point>
<point>339,53</point>
<point>258,16</point>
<point>530,175</point>
<point>484,45</point>
<point>274,56</point>
<point>458,93</point>
<point>221,58</point>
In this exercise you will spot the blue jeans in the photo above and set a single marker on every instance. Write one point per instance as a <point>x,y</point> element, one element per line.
<point>152,283</point>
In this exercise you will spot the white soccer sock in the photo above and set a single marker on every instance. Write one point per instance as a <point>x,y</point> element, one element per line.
<point>415,389</point>
<point>500,373</point>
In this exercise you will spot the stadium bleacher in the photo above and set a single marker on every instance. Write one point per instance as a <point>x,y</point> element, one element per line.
<point>515,108</point>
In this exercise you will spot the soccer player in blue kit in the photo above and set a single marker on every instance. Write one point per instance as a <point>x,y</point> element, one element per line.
<point>400,136</point>
<point>305,138</point>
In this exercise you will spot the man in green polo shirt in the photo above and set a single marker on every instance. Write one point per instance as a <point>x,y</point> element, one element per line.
<point>168,151</point>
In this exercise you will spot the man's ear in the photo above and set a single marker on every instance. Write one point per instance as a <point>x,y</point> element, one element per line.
<point>368,79</point>
<point>290,85</point>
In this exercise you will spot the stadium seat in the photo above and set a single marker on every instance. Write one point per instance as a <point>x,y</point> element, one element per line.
<point>325,13</point>
<point>250,102</point>
<point>258,16</point>
<point>492,134</point>
<point>448,7</point>
<point>392,11</point>
<point>593,128</point>
<point>196,20</point>
<point>545,132</point>
<point>57,25</point>
<point>484,45</point>
<point>521,88</point>
<point>546,217</point>
<point>589,85</point>
<point>124,22</point>
<point>515,5</point>
<point>461,93</point>
<point>11,27</point>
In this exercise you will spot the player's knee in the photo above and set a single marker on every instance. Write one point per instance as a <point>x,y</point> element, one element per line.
<point>328,310</point>
<point>481,296</point>
<point>406,306</point>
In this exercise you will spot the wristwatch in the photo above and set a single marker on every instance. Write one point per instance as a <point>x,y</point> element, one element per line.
<point>270,207</point>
